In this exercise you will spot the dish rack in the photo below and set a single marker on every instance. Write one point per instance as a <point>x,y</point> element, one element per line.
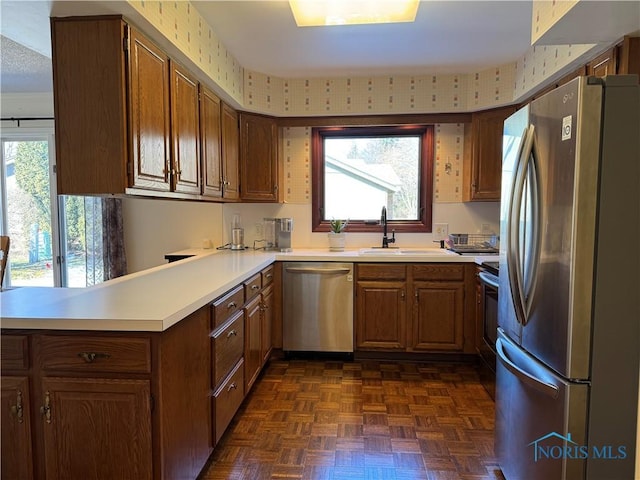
<point>473,242</point>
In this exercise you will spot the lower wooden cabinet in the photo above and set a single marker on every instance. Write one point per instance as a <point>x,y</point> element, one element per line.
<point>415,307</point>
<point>227,399</point>
<point>107,406</point>
<point>85,420</point>
<point>15,421</point>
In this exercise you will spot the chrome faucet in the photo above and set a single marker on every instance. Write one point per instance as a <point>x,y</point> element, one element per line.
<point>383,221</point>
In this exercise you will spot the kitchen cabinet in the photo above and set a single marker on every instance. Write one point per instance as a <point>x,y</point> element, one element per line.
<point>127,116</point>
<point>211,143</point>
<point>482,163</point>
<point>230,153</point>
<point>15,421</point>
<point>15,408</point>
<point>259,290</point>
<point>381,306</point>
<point>185,130</point>
<point>259,172</point>
<point>604,64</point>
<point>415,307</point>
<point>438,313</point>
<point>111,405</point>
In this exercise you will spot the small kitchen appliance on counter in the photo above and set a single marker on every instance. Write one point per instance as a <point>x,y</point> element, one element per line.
<point>277,233</point>
<point>237,233</point>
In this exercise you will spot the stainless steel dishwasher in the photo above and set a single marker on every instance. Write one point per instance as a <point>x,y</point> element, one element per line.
<point>317,307</point>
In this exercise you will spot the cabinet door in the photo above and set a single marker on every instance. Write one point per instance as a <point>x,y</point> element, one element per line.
<point>483,169</point>
<point>185,131</point>
<point>253,341</point>
<point>210,134</point>
<point>604,64</point>
<point>258,158</point>
<point>97,429</point>
<point>149,114</point>
<point>230,148</point>
<point>380,315</point>
<point>267,321</point>
<point>438,316</point>
<point>15,422</point>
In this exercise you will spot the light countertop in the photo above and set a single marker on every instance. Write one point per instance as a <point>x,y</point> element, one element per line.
<point>155,299</point>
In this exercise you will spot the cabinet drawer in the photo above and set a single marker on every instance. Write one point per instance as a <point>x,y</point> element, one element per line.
<point>381,271</point>
<point>267,276</point>
<point>227,399</point>
<point>226,306</point>
<point>14,352</point>
<point>94,354</point>
<point>252,286</point>
<point>447,271</point>
<point>228,347</point>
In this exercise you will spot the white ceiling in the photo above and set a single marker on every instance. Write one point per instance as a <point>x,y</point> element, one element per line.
<point>447,37</point>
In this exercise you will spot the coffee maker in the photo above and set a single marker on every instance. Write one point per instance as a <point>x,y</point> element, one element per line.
<point>277,232</point>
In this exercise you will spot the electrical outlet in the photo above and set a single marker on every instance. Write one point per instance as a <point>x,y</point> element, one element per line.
<point>440,231</point>
<point>486,228</point>
<point>259,230</point>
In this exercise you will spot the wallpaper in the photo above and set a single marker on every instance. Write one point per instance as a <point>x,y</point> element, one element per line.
<point>546,13</point>
<point>447,185</point>
<point>183,25</point>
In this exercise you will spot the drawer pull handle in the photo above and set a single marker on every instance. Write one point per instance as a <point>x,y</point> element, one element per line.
<point>231,305</point>
<point>233,386</point>
<point>91,357</point>
<point>17,408</point>
<point>269,275</point>
<point>255,287</point>
<point>46,408</point>
<point>232,333</point>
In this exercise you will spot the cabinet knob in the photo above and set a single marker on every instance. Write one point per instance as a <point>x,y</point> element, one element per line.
<point>232,333</point>
<point>255,287</point>
<point>231,305</point>
<point>233,386</point>
<point>46,408</point>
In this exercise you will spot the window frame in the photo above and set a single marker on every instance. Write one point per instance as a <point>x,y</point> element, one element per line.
<point>425,183</point>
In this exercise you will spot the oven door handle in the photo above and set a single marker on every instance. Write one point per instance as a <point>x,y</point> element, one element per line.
<point>489,279</point>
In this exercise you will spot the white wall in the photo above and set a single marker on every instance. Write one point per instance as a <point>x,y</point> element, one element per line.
<point>155,227</point>
<point>461,217</point>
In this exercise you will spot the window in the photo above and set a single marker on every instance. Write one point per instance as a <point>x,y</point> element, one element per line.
<point>358,170</point>
<point>55,241</point>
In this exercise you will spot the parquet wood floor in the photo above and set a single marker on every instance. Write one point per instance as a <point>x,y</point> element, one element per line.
<point>360,420</point>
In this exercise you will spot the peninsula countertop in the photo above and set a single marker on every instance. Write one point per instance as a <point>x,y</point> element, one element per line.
<point>155,299</point>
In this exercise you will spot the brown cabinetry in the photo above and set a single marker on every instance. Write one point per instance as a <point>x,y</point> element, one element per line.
<point>230,153</point>
<point>438,315</point>
<point>259,172</point>
<point>128,118</point>
<point>107,405</point>
<point>381,307</point>
<point>482,172</point>
<point>415,308</point>
<point>185,130</point>
<point>15,409</point>
<point>604,64</point>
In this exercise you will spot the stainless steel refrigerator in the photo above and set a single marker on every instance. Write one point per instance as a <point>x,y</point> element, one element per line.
<point>569,308</point>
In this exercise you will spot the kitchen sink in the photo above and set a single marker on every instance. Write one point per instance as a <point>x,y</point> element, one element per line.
<point>406,251</point>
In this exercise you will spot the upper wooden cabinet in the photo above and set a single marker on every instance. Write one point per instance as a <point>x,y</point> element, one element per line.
<point>259,172</point>
<point>185,130</point>
<point>482,172</point>
<point>127,117</point>
<point>211,135</point>
<point>230,155</point>
<point>604,64</point>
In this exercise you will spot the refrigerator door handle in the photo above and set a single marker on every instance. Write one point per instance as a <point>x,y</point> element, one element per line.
<point>523,269</point>
<point>514,267</point>
<point>528,378</point>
